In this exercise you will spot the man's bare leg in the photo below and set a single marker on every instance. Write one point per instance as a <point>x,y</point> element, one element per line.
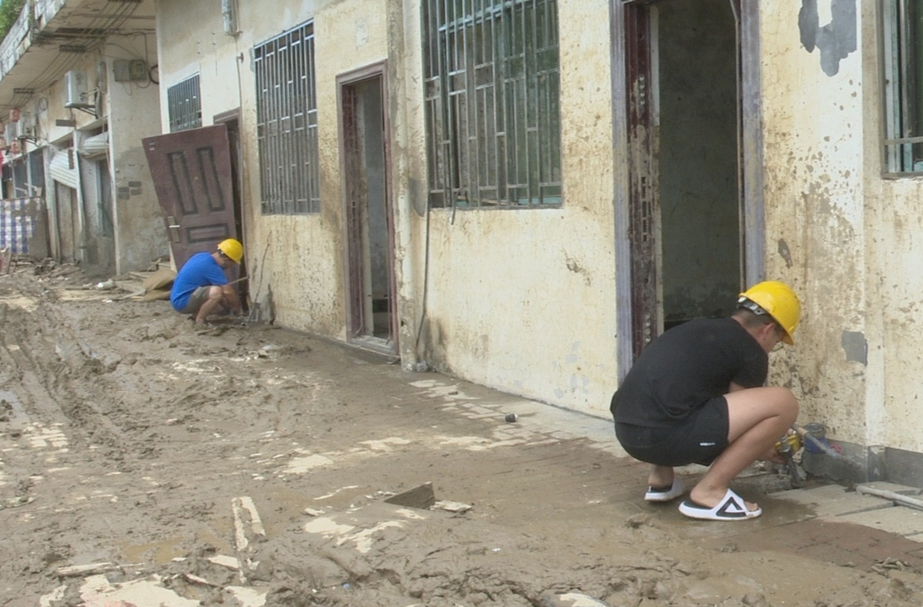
<point>758,418</point>
<point>214,298</point>
<point>660,476</point>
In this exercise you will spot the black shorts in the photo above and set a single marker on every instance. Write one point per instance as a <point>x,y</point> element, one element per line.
<point>699,439</point>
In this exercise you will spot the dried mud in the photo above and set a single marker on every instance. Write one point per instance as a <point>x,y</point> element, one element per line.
<point>131,444</point>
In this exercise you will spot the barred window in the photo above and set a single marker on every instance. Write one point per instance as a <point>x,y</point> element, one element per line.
<point>492,103</point>
<point>184,105</point>
<point>903,77</point>
<point>286,103</point>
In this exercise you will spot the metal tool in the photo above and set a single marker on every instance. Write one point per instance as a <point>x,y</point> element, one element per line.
<point>823,446</point>
<point>787,447</point>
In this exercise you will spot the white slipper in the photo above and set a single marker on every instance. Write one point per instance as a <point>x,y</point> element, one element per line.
<point>675,490</point>
<point>731,508</point>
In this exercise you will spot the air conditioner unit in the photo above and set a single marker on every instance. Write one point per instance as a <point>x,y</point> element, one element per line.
<point>27,123</point>
<point>11,132</point>
<point>75,90</point>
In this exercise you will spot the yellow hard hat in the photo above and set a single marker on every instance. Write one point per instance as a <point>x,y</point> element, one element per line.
<point>779,301</point>
<point>232,249</point>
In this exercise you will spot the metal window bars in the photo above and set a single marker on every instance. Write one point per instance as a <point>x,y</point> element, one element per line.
<point>184,105</point>
<point>492,103</point>
<point>287,122</point>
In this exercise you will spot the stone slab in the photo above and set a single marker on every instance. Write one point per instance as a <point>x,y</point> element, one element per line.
<point>902,521</point>
<point>833,500</point>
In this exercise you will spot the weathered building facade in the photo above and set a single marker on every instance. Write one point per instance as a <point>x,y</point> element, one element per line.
<point>524,193</point>
<point>77,92</point>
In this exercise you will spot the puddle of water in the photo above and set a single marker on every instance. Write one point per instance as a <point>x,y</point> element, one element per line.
<point>158,553</point>
<point>17,415</point>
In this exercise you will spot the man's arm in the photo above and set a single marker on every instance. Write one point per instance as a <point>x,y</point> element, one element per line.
<point>230,296</point>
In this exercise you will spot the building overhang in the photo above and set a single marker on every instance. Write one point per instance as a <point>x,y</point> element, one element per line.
<point>52,37</point>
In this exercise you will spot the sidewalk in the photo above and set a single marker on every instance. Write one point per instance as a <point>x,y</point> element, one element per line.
<point>808,521</point>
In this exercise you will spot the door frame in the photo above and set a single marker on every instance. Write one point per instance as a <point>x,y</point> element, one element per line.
<point>631,57</point>
<point>352,291</point>
<point>231,120</point>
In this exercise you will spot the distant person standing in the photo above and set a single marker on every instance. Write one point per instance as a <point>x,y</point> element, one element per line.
<point>696,395</point>
<point>201,287</point>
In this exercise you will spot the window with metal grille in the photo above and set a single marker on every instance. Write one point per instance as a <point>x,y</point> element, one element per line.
<point>184,105</point>
<point>492,103</point>
<point>286,103</point>
<point>903,78</point>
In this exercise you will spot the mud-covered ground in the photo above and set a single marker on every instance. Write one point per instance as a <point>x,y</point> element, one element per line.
<point>144,463</point>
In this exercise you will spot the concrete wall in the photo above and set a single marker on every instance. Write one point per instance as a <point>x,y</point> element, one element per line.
<point>524,300</point>
<point>134,113</point>
<point>894,283</point>
<point>816,183</point>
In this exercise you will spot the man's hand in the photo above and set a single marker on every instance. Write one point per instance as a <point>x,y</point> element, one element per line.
<point>773,456</point>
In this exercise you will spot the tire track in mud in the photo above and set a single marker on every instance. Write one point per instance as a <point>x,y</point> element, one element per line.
<point>49,371</point>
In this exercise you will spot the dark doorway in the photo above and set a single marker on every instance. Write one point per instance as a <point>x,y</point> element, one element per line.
<point>685,192</point>
<point>372,313</point>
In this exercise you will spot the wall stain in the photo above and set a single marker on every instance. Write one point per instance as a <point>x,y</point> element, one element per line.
<point>836,39</point>
<point>785,252</point>
<point>855,346</point>
<point>574,266</point>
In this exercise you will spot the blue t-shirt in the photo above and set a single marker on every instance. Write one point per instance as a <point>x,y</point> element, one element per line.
<point>200,270</point>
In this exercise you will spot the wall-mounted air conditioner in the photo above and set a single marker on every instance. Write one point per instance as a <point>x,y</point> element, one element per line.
<point>75,90</point>
<point>27,123</point>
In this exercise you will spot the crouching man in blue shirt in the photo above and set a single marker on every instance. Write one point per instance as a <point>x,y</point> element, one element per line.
<point>201,285</point>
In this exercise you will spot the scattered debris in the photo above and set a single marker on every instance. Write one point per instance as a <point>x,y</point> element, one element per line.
<point>6,260</point>
<point>421,497</point>
<point>229,562</point>
<point>891,495</point>
<point>247,528</point>
<point>83,570</point>
<point>571,599</point>
<point>16,502</point>
<point>199,580</point>
<point>457,507</point>
<point>890,564</point>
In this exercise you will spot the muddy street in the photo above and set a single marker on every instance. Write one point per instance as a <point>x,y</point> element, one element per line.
<point>143,462</point>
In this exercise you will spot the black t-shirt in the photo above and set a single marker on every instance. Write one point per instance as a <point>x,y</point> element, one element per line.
<point>684,368</point>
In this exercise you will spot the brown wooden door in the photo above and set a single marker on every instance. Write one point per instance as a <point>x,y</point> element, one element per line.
<point>194,184</point>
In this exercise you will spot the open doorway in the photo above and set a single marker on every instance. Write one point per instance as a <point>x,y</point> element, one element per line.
<point>371,303</point>
<point>685,201</point>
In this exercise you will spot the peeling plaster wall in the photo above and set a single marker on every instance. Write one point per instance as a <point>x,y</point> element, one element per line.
<point>134,108</point>
<point>895,282</point>
<point>900,284</point>
<point>524,301</point>
<point>813,115</point>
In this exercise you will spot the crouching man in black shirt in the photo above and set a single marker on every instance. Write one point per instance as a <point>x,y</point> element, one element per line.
<point>696,395</point>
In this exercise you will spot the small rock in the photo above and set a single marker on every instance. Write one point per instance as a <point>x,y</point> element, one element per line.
<point>638,520</point>
<point>570,599</point>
